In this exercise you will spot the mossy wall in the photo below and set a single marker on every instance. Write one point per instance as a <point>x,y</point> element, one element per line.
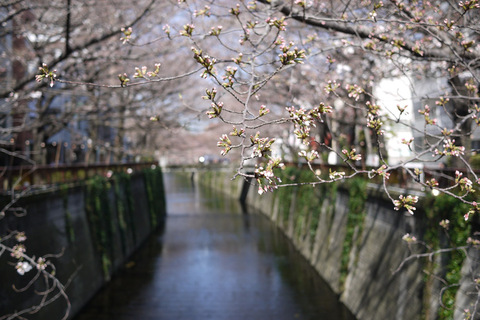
<point>350,233</point>
<point>96,226</point>
<point>220,181</point>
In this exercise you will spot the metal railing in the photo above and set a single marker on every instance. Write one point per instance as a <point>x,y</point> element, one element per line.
<point>21,177</point>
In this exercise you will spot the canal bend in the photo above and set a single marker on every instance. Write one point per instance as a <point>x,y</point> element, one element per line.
<point>210,260</point>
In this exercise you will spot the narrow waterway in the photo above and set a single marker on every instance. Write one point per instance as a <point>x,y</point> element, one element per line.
<point>211,261</point>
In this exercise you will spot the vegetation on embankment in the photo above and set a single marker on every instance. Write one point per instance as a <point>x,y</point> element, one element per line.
<point>112,212</point>
<point>352,235</point>
<point>88,230</point>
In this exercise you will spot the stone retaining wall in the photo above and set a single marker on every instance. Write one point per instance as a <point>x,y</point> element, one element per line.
<point>93,227</point>
<point>358,252</point>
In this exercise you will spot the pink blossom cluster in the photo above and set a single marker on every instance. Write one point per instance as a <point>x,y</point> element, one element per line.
<point>406,202</point>
<point>265,177</point>
<point>450,149</point>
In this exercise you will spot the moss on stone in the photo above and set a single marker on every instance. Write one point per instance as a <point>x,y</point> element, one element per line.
<point>97,207</point>
<point>448,207</point>
<point>155,195</point>
<point>357,198</point>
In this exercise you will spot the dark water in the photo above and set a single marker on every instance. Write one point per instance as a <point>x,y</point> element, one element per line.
<point>213,262</point>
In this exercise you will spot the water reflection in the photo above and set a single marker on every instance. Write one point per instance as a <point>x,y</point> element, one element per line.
<point>210,262</point>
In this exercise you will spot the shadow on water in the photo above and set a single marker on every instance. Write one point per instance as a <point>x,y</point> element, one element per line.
<point>213,262</point>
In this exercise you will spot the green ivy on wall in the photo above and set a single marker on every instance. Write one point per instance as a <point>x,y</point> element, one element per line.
<point>308,201</point>
<point>308,204</point>
<point>97,207</point>
<point>440,208</point>
<point>125,208</point>
<point>284,195</point>
<point>110,211</point>
<point>302,206</point>
<point>357,199</point>
<point>155,195</point>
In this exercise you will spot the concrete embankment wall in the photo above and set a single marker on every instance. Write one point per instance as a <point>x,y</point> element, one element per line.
<point>351,234</point>
<point>93,227</point>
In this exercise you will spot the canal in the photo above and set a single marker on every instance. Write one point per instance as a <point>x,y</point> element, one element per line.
<point>211,260</point>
